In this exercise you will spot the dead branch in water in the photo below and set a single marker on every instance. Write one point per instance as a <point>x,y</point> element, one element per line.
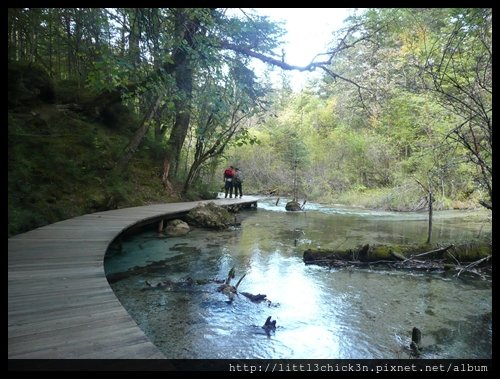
<point>440,250</point>
<point>239,281</point>
<point>471,265</point>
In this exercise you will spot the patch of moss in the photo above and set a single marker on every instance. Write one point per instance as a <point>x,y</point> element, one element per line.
<point>383,252</point>
<point>61,168</point>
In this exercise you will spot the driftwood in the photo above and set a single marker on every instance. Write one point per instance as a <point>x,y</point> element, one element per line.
<point>254,298</point>
<point>227,289</point>
<point>430,258</point>
<point>231,291</point>
<point>225,286</point>
<point>473,264</point>
<point>397,256</point>
<point>269,326</point>
<point>440,250</point>
<point>416,337</point>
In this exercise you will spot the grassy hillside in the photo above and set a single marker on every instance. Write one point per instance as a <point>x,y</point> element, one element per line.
<point>60,159</point>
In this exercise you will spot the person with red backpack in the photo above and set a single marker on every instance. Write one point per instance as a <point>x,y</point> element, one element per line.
<point>228,181</point>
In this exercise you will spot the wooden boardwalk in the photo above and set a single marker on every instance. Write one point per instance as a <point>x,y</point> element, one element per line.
<point>60,304</point>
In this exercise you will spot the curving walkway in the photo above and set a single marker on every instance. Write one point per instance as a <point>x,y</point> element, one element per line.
<point>60,304</point>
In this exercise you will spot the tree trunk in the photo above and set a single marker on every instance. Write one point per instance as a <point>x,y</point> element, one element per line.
<point>429,231</point>
<point>138,136</point>
<point>193,173</point>
<point>134,37</point>
<point>12,32</point>
<point>164,178</point>
<point>161,125</point>
<point>185,27</point>
<point>50,43</point>
<point>68,41</point>
<point>122,36</point>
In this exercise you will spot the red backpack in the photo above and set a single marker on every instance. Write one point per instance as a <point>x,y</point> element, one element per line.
<point>228,173</point>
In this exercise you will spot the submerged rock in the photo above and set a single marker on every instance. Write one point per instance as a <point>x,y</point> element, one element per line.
<point>176,228</point>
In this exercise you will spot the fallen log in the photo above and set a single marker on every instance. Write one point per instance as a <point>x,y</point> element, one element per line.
<point>397,256</point>
<point>431,258</point>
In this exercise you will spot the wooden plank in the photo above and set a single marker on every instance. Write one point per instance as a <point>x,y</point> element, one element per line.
<point>60,304</point>
<point>133,350</point>
<point>41,310</point>
<point>21,318</point>
<point>90,338</point>
<point>82,319</point>
<point>48,291</point>
<point>54,283</point>
<point>55,299</point>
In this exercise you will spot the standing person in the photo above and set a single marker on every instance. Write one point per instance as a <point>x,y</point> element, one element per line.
<point>228,181</point>
<point>238,180</point>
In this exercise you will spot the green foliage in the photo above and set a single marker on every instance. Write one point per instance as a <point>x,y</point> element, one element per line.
<point>422,111</point>
<point>201,191</point>
<point>255,31</point>
<point>109,72</point>
<point>245,138</point>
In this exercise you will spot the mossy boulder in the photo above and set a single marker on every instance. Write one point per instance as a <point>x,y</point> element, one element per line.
<point>210,215</point>
<point>176,228</point>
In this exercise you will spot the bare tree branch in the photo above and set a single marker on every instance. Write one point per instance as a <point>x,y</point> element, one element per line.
<point>323,64</point>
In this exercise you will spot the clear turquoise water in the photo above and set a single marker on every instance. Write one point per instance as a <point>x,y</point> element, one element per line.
<point>320,313</point>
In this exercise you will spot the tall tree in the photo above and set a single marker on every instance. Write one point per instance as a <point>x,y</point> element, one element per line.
<point>223,103</point>
<point>458,68</point>
<point>187,27</point>
<point>443,54</point>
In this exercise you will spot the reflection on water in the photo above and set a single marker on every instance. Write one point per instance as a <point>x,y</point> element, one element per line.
<point>320,313</point>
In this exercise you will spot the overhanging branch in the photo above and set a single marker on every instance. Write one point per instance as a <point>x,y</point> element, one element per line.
<point>266,59</point>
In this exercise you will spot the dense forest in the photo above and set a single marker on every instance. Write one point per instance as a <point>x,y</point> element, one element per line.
<point>115,107</point>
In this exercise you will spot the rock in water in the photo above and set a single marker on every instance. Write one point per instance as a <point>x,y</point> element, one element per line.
<point>293,206</point>
<point>416,337</point>
<point>269,325</point>
<point>176,228</point>
<point>210,215</point>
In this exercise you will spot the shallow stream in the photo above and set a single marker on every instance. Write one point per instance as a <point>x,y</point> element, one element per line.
<point>319,313</point>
